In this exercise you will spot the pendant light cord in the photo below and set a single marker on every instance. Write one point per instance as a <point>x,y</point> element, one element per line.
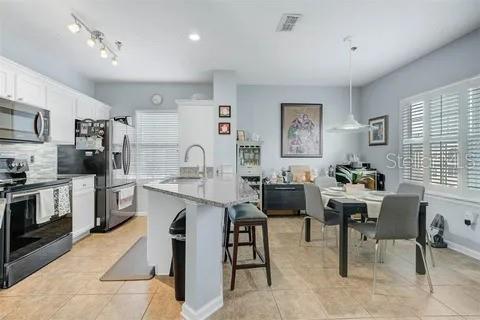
<point>350,71</point>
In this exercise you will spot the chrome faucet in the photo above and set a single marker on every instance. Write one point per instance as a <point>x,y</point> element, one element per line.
<point>203,153</point>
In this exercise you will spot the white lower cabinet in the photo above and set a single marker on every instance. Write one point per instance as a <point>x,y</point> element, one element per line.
<point>83,195</point>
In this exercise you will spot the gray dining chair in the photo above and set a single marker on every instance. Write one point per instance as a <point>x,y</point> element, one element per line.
<point>410,188</point>
<point>398,220</point>
<point>316,210</point>
<point>325,181</point>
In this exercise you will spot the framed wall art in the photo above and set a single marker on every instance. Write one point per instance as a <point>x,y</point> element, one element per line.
<point>224,111</point>
<point>301,130</point>
<point>378,134</point>
<point>224,128</point>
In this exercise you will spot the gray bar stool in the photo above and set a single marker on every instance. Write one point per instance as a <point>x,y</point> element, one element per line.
<point>246,215</point>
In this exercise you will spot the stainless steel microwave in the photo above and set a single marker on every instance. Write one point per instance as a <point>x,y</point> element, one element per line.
<point>20,122</point>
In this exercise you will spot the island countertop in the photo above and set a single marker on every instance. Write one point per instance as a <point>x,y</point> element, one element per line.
<point>218,191</point>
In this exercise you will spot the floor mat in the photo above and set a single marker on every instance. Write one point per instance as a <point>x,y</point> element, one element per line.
<point>132,265</point>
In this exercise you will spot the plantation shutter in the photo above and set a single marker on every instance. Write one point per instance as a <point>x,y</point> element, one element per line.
<point>412,142</point>
<point>473,138</point>
<point>157,144</point>
<point>444,129</point>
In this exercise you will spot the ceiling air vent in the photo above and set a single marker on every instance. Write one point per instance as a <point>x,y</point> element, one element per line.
<point>287,22</point>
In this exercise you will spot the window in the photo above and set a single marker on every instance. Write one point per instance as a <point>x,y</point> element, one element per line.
<point>157,144</point>
<point>440,139</point>
<point>473,138</point>
<point>412,141</point>
<point>444,127</point>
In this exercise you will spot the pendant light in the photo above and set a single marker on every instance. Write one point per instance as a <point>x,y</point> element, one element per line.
<point>350,125</point>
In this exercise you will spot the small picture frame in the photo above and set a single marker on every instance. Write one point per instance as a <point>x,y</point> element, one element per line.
<point>224,111</point>
<point>224,128</point>
<point>241,135</point>
<point>378,134</point>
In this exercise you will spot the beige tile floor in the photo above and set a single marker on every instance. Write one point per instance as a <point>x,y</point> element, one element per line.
<point>305,285</point>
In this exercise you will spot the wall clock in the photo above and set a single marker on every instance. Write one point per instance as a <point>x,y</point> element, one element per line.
<point>157,99</point>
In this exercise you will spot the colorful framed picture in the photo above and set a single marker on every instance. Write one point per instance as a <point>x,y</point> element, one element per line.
<point>224,128</point>
<point>301,130</point>
<point>378,134</point>
<point>224,111</point>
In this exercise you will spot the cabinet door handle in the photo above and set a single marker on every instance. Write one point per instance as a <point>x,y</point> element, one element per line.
<point>285,188</point>
<point>9,96</point>
<point>20,99</point>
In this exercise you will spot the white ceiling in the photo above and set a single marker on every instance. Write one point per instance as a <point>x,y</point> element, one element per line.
<point>240,35</point>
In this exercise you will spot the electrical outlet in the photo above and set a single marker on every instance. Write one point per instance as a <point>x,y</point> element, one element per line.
<point>32,159</point>
<point>470,218</point>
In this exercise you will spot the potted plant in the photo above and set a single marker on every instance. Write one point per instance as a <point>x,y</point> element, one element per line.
<point>356,179</point>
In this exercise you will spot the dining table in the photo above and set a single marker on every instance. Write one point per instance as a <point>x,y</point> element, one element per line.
<point>368,204</point>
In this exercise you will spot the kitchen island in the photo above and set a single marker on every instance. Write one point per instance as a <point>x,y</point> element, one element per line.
<point>205,201</point>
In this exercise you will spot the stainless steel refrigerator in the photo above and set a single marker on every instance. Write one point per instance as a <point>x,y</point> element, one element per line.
<point>105,148</point>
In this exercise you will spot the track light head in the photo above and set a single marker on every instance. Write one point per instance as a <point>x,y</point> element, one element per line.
<point>114,61</point>
<point>91,42</point>
<point>74,27</point>
<point>103,53</point>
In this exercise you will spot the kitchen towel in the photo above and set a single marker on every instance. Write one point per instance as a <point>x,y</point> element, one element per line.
<point>62,201</point>
<point>125,197</point>
<point>45,207</point>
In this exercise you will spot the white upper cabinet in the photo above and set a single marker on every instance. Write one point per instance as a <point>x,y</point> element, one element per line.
<point>30,89</point>
<point>61,104</point>
<point>86,108</point>
<point>7,82</point>
<point>102,112</point>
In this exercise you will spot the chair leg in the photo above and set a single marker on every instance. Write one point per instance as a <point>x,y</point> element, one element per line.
<point>235,254</point>
<point>375,267</point>
<point>323,236</point>
<point>336,235</point>
<point>254,242</point>
<point>429,243</point>
<point>303,228</point>
<point>426,266</point>
<point>267,252</point>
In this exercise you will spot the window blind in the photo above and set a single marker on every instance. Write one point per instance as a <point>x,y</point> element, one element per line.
<point>412,141</point>
<point>157,144</point>
<point>444,128</point>
<point>473,138</point>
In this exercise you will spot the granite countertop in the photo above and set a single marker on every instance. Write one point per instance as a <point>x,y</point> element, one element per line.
<point>76,176</point>
<point>218,191</point>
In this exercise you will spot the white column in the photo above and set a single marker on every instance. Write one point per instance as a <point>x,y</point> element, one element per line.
<point>162,209</point>
<point>204,278</point>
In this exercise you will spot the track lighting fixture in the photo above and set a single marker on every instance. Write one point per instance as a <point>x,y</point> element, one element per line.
<point>103,52</point>
<point>91,42</point>
<point>74,27</point>
<point>97,37</point>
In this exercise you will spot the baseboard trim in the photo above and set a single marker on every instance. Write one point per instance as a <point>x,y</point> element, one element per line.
<point>141,213</point>
<point>204,312</point>
<point>462,249</point>
<point>80,234</point>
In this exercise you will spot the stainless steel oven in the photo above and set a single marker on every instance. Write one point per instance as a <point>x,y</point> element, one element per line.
<point>37,221</point>
<point>20,122</point>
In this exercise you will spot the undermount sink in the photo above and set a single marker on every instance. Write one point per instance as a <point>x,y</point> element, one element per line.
<point>181,179</point>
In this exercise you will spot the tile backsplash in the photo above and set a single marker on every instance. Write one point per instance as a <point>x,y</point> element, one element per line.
<point>44,157</point>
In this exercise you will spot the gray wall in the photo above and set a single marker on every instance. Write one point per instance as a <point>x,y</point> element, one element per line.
<point>43,60</point>
<point>456,61</point>
<point>125,98</point>
<point>259,112</point>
